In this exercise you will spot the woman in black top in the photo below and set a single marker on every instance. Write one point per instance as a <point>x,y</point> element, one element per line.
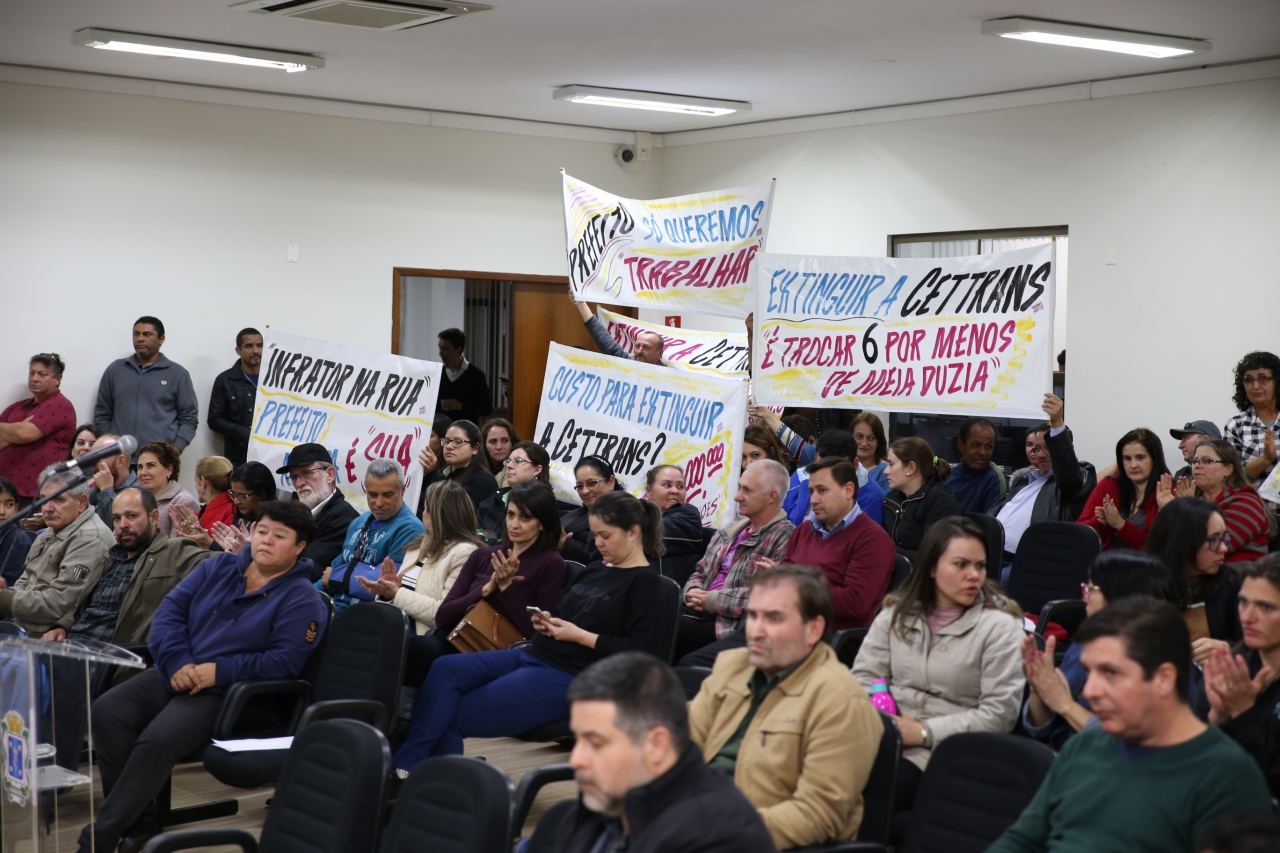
<point>613,607</point>
<point>527,462</point>
<point>593,478</point>
<point>916,498</point>
<point>681,522</point>
<point>464,462</point>
<point>1189,537</point>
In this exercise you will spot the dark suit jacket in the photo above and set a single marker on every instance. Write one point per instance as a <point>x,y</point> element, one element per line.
<point>334,519</point>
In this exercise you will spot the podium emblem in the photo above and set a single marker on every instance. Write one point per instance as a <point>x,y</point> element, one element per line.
<point>16,738</point>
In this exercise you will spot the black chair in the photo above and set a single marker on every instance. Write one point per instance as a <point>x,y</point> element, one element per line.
<point>328,800</point>
<point>451,804</point>
<point>543,838</point>
<point>358,676</point>
<point>691,678</point>
<point>877,797</point>
<point>994,531</point>
<point>527,791</point>
<point>572,571</point>
<point>846,643</point>
<point>11,629</point>
<point>901,571</point>
<point>1052,561</point>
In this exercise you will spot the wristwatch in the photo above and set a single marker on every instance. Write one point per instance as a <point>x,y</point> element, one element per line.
<point>926,736</point>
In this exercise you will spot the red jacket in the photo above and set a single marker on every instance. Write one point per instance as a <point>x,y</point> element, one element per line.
<point>1131,535</point>
<point>221,508</point>
<point>857,561</point>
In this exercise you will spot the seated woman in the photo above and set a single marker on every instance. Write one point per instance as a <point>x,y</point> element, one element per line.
<point>1190,538</point>
<point>612,607</point>
<point>1244,691</point>
<point>250,485</point>
<point>916,498</point>
<point>527,462</point>
<point>1217,475</point>
<point>681,522</point>
<point>873,449</point>
<point>1055,710</point>
<point>213,488</point>
<point>432,564</point>
<point>593,479</point>
<point>158,465</point>
<point>464,460</point>
<point>758,442</point>
<point>1123,506</point>
<point>947,644</point>
<point>524,571</point>
<point>499,438</point>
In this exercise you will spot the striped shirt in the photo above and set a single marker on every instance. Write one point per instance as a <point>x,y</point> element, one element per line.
<point>1247,520</point>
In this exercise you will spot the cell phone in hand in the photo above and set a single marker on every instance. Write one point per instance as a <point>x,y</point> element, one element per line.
<point>538,611</point>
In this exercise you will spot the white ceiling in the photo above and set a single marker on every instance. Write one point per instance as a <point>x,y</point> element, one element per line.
<point>794,58</point>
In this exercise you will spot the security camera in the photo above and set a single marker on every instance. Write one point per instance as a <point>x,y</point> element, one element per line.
<point>625,155</point>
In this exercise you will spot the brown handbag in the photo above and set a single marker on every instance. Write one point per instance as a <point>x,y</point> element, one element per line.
<point>484,629</point>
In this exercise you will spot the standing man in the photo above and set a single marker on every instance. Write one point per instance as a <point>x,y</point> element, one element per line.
<point>464,393</point>
<point>232,398</point>
<point>146,395</point>
<point>648,348</point>
<point>315,482</point>
<point>36,432</point>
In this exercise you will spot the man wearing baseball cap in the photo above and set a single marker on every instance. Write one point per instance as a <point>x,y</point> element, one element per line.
<point>314,480</point>
<point>1189,438</point>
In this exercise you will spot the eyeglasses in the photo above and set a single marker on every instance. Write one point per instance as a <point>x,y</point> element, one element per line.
<point>1088,589</point>
<point>294,479</point>
<point>240,497</point>
<point>454,442</point>
<point>587,484</point>
<point>1205,460</point>
<point>1215,541</point>
<point>1258,380</point>
<point>513,461</point>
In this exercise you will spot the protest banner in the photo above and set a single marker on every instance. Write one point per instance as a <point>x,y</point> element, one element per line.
<point>636,416</point>
<point>1269,489</point>
<point>691,253</point>
<point>969,335</point>
<point>723,353</point>
<point>361,405</point>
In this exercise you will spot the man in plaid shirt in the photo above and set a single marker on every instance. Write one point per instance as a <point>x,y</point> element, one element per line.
<point>718,586</point>
<point>1252,432</point>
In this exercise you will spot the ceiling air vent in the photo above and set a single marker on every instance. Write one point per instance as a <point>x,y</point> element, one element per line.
<point>368,14</point>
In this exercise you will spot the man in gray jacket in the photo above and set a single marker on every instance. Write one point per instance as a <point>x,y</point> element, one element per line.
<point>64,562</point>
<point>648,349</point>
<point>146,395</point>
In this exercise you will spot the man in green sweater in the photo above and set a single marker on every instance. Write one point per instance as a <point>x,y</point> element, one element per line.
<point>1149,775</point>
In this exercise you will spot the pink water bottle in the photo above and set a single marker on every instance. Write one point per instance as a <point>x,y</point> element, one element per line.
<point>882,699</point>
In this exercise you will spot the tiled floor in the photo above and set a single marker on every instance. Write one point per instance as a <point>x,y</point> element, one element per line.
<point>192,785</point>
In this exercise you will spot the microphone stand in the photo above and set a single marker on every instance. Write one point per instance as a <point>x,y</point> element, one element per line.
<point>80,477</point>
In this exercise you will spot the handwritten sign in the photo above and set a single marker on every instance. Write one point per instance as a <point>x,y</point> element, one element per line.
<point>1269,489</point>
<point>638,415</point>
<point>360,405</point>
<point>970,335</point>
<point>691,253</point>
<point>716,352</point>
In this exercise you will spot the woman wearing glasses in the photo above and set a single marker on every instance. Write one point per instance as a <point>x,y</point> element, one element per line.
<point>464,462</point>
<point>1123,507</point>
<point>1253,432</point>
<point>593,478</point>
<point>500,438</point>
<point>527,462</point>
<point>1216,475</point>
<point>1191,538</point>
<point>1054,709</point>
<point>251,484</point>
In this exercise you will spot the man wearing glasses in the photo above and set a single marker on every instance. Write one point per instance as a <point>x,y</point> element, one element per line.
<point>36,432</point>
<point>314,480</point>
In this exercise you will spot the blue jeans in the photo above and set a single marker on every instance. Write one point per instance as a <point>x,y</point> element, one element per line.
<point>482,694</point>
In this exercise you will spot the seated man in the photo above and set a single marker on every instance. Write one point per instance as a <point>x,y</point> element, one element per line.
<point>380,532</point>
<point>976,483</point>
<point>1150,775</point>
<point>234,617</point>
<point>315,482</point>
<point>716,593</point>
<point>784,693</point>
<point>837,443</point>
<point>64,562</point>
<point>645,787</point>
<point>110,477</point>
<point>1053,488</point>
<point>1189,438</point>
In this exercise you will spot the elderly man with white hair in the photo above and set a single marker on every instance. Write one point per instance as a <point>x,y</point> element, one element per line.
<point>715,597</point>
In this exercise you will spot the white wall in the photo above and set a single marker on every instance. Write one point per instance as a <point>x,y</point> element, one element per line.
<point>113,206</point>
<point>1181,186</point>
<point>428,306</point>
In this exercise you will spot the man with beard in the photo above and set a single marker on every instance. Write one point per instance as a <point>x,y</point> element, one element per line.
<point>310,469</point>
<point>234,391</point>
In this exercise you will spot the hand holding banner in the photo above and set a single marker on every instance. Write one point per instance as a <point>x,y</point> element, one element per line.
<point>723,353</point>
<point>971,335</point>
<point>691,253</point>
<point>638,415</point>
<point>360,405</point>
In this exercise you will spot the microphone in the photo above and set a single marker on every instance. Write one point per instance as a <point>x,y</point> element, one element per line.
<point>124,447</point>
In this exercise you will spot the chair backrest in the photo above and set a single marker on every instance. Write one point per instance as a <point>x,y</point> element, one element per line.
<point>330,792</point>
<point>451,803</point>
<point>901,569</point>
<point>994,531</point>
<point>877,796</point>
<point>365,656</point>
<point>572,571</point>
<point>691,678</point>
<point>976,785</point>
<point>1052,561</point>
<point>669,619</point>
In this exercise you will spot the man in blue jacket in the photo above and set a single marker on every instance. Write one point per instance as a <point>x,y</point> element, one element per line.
<point>252,615</point>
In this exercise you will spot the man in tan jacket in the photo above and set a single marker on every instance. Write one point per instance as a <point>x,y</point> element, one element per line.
<point>64,562</point>
<point>785,718</point>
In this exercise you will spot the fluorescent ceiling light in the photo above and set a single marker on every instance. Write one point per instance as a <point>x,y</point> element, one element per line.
<point>186,49</point>
<point>1095,38</point>
<point>633,100</point>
